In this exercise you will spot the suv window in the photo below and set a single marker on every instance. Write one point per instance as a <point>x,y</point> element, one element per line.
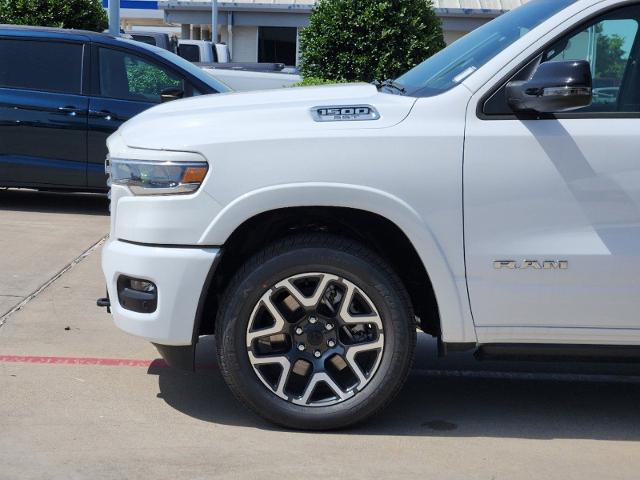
<point>607,46</point>
<point>189,52</point>
<point>41,65</point>
<point>129,77</point>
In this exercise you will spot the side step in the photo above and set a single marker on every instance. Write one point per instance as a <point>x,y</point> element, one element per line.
<point>556,353</point>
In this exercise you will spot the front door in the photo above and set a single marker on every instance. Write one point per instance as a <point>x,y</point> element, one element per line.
<point>43,114</point>
<point>552,205</point>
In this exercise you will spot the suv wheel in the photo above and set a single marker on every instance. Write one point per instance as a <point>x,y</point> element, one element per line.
<point>315,332</point>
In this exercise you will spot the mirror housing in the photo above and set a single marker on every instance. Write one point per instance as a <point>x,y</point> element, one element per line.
<point>171,93</point>
<point>554,87</point>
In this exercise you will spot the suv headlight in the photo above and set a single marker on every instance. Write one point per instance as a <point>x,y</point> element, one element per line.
<point>149,177</point>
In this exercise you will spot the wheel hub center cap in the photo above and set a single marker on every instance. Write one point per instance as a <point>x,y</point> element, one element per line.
<point>315,338</point>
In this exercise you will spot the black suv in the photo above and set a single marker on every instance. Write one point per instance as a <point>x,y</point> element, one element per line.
<point>63,92</point>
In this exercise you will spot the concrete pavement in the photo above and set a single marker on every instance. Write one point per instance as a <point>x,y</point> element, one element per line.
<point>457,418</point>
<point>41,234</point>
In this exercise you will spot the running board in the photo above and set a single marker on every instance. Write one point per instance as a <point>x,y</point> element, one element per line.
<point>559,352</point>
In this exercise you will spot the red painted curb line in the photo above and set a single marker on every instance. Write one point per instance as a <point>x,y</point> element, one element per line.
<point>107,362</point>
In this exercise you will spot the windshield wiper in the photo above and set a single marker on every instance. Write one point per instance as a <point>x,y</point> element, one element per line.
<point>390,84</point>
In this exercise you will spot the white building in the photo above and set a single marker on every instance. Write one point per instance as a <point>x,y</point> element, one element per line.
<point>267,30</point>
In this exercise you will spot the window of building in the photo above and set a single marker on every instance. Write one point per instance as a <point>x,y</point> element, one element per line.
<point>41,65</point>
<point>277,45</point>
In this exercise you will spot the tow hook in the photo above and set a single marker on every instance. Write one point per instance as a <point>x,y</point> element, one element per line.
<point>104,302</point>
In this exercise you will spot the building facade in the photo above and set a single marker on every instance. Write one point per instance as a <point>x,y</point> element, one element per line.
<point>267,30</point>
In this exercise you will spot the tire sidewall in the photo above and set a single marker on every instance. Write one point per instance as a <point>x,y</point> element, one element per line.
<point>377,283</point>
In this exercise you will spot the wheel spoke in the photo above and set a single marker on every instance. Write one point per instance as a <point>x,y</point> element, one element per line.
<point>312,301</point>
<point>346,317</point>
<point>286,370</point>
<point>315,318</point>
<point>317,378</point>
<point>279,321</point>
<point>352,351</point>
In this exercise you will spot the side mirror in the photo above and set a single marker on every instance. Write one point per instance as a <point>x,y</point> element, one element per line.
<point>554,87</point>
<point>171,93</point>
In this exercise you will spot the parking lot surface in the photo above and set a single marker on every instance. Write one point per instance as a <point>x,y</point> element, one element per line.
<point>80,399</point>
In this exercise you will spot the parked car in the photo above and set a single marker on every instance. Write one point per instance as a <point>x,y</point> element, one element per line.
<point>157,39</point>
<point>203,51</point>
<point>244,80</point>
<point>63,92</point>
<point>312,229</point>
<point>207,55</point>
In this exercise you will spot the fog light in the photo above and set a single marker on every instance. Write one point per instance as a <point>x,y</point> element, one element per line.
<point>142,285</point>
<point>137,295</point>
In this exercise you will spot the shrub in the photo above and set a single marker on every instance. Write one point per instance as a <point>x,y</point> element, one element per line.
<point>369,39</point>
<point>78,14</point>
<point>314,81</point>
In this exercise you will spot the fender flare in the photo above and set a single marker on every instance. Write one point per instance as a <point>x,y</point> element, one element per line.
<point>450,303</point>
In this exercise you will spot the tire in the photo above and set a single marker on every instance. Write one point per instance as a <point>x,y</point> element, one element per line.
<point>359,337</point>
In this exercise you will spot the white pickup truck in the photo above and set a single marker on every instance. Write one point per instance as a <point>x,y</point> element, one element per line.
<point>240,77</point>
<point>489,197</point>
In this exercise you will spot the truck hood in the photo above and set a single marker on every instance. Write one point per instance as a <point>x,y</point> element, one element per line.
<point>235,117</point>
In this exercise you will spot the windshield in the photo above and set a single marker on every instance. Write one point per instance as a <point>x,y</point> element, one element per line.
<point>185,65</point>
<point>451,66</point>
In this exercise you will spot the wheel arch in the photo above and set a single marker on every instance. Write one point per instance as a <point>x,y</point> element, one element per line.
<point>275,212</point>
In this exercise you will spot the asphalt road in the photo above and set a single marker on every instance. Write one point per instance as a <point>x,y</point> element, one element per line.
<point>80,399</point>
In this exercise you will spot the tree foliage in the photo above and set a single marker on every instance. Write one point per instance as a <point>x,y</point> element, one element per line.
<point>611,57</point>
<point>369,39</point>
<point>78,14</point>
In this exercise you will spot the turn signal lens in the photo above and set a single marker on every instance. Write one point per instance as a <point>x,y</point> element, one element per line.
<point>147,177</point>
<point>194,175</point>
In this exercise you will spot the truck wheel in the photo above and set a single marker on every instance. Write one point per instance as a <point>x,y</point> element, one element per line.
<point>315,332</point>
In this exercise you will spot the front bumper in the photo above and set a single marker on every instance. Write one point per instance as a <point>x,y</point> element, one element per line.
<point>180,274</point>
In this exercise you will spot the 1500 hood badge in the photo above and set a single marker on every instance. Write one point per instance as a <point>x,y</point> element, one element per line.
<point>344,113</point>
<point>531,264</point>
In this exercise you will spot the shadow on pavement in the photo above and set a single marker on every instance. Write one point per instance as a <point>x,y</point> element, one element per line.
<point>445,406</point>
<point>54,202</point>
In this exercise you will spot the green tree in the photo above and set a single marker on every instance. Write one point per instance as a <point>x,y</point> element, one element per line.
<point>78,14</point>
<point>611,57</point>
<point>365,40</point>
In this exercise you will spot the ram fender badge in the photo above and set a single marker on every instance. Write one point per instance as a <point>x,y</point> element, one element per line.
<point>531,265</point>
<point>344,113</point>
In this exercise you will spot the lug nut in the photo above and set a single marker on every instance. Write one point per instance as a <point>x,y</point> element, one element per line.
<point>313,319</point>
<point>301,347</point>
<point>329,326</point>
<point>317,354</point>
<point>298,331</point>
<point>331,343</point>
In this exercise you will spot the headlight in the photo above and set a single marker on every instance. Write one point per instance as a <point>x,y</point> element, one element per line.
<point>148,177</point>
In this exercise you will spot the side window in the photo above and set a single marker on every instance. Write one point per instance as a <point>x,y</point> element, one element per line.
<point>607,46</point>
<point>41,65</point>
<point>129,77</point>
<point>189,52</point>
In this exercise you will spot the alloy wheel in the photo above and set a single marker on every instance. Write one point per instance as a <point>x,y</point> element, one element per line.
<point>315,339</point>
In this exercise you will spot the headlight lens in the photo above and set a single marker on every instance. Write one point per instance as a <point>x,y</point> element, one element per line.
<point>148,177</point>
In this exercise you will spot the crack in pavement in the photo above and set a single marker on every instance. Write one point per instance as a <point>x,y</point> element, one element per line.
<point>48,283</point>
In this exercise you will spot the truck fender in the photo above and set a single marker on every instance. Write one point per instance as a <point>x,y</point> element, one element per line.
<point>456,323</point>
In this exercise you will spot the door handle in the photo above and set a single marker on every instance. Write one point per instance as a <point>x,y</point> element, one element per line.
<point>107,115</point>
<point>69,110</point>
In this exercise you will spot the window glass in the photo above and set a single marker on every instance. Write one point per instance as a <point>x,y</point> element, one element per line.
<point>144,39</point>
<point>189,52</point>
<point>454,64</point>
<point>277,45</point>
<point>129,77</point>
<point>40,65</point>
<point>607,46</point>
